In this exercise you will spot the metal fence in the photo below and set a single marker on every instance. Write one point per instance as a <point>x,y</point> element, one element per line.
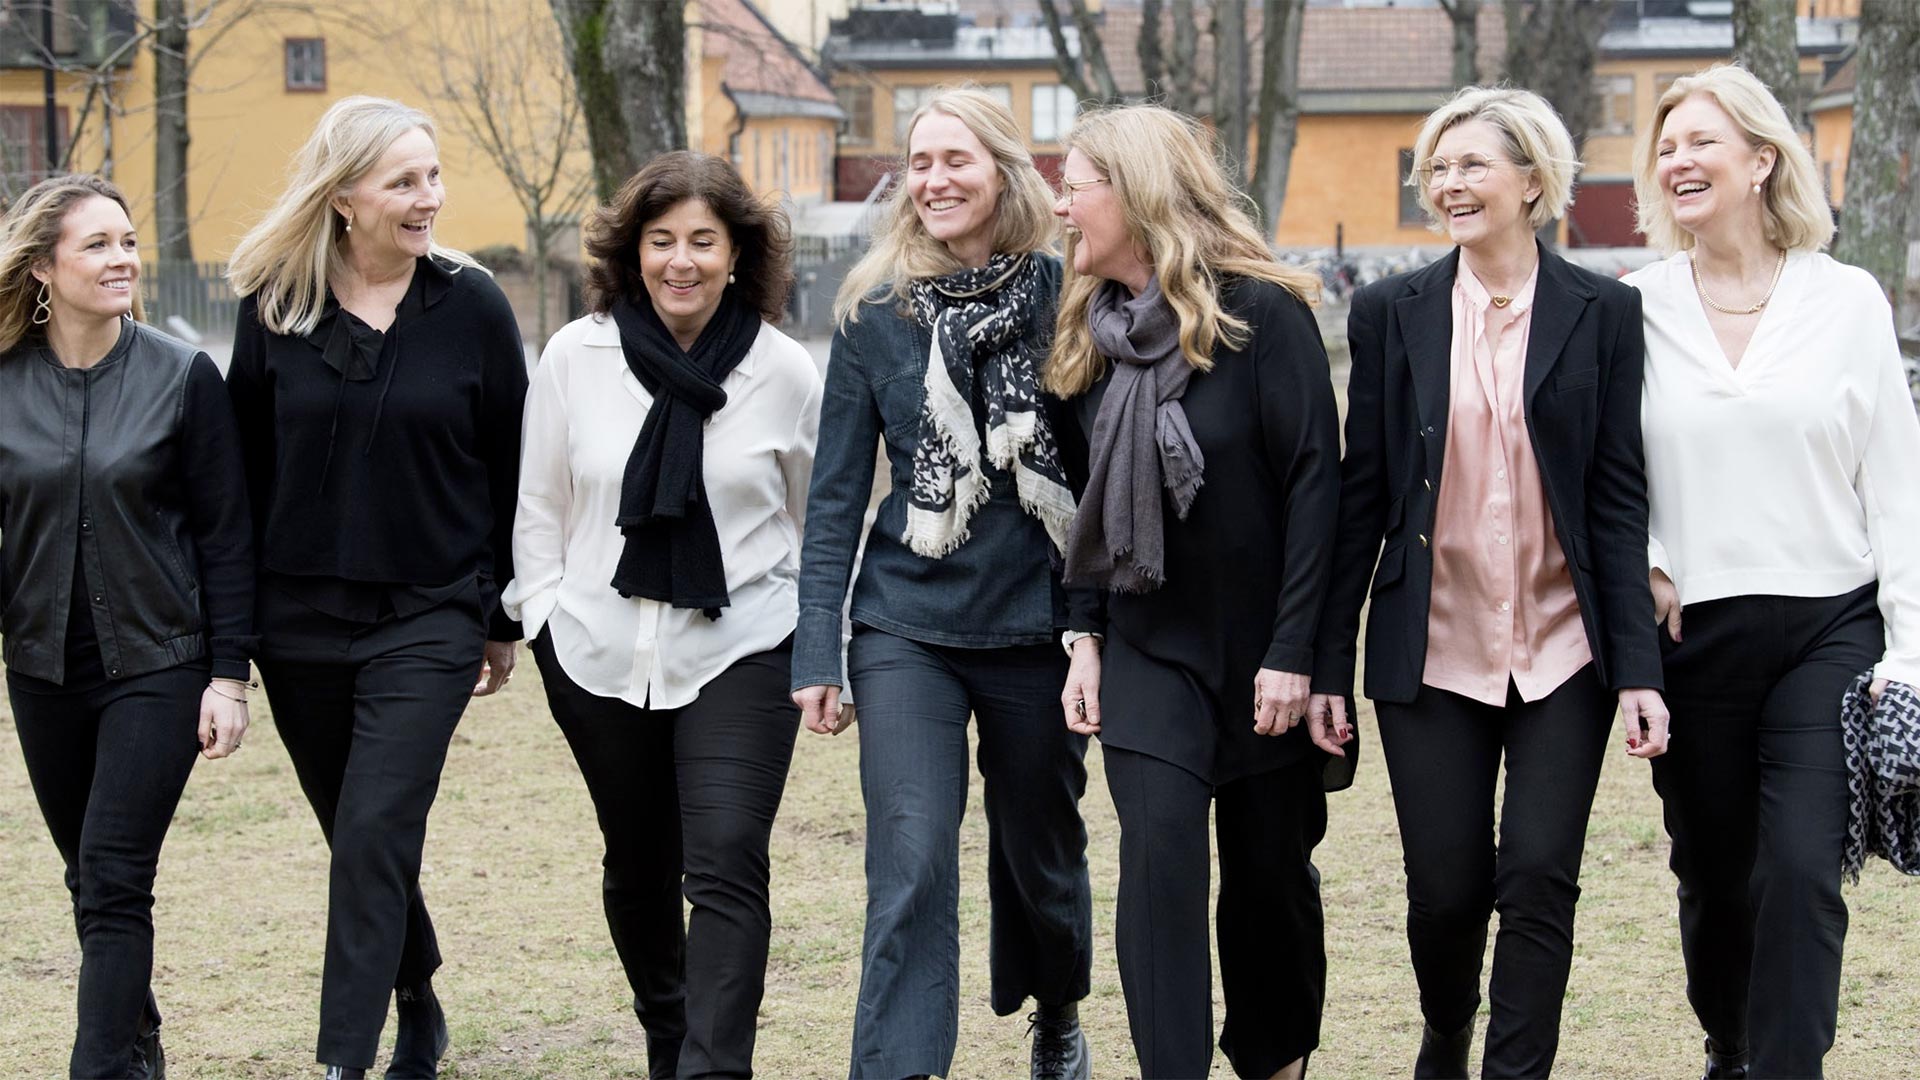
<point>193,293</point>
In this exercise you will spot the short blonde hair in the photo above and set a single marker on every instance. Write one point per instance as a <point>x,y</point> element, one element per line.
<point>1793,205</point>
<point>1535,140</point>
<point>903,251</point>
<point>1196,228</point>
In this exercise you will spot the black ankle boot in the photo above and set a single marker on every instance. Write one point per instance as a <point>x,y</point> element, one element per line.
<point>1059,1046</point>
<point>421,1039</point>
<point>149,1059</point>
<point>345,1072</point>
<point>1443,1057</point>
<point>1724,1064</point>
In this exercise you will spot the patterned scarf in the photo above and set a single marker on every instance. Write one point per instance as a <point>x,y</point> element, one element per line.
<point>1883,776</point>
<point>978,318</point>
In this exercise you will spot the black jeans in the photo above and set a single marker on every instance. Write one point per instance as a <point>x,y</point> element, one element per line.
<point>1755,788</point>
<point>108,764</point>
<point>366,711</point>
<point>686,799</point>
<point>1444,754</point>
<point>1273,959</point>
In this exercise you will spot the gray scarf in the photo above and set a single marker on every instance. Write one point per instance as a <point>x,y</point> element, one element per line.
<point>1141,443</point>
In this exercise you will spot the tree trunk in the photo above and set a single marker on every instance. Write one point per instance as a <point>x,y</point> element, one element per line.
<point>1765,41</point>
<point>1152,68</point>
<point>542,240</point>
<point>1551,49</point>
<point>1874,225</point>
<point>1181,69</point>
<point>1230,89</point>
<point>1279,106</point>
<point>1094,54</point>
<point>1063,59</point>
<point>1465,17</point>
<point>628,59</point>
<point>172,218</point>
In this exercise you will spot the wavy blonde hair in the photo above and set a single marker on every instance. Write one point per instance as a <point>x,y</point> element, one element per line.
<point>1195,226</point>
<point>1793,209</point>
<point>1535,141</point>
<point>28,235</point>
<point>286,259</point>
<point>903,251</point>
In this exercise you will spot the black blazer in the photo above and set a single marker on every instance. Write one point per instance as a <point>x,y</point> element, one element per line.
<point>1582,386</point>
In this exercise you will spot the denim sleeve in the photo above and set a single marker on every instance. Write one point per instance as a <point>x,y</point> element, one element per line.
<point>836,507</point>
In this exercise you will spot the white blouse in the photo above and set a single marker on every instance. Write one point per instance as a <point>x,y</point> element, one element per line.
<point>584,411</point>
<point>1798,472</point>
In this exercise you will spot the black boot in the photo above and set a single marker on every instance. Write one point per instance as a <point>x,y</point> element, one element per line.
<point>1724,1064</point>
<point>345,1072</point>
<point>663,1057</point>
<point>1059,1046</point>
<point>149,1059</point>
<point>422,1036</point>
<point>1443,1057</point>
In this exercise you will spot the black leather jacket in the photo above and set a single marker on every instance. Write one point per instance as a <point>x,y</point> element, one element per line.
<point>135,462</point>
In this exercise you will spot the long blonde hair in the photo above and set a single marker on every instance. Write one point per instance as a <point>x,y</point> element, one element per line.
<point>1193,224</point>
<point>28,234</point>
<point>903,251</point>
<point>1793,208</point>
<point>286,259</point>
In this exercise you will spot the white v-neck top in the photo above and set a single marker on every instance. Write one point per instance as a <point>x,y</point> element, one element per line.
<point>584,411</point>
<point>1797,473</point>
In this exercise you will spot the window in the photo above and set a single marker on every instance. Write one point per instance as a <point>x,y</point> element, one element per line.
<point>306,64</point>
<point>1411,214</point>
<point>1664,80</point>
<point>857,103</point>
<point>1615,114</point>
<point>908,99</point>
<point>23,146</point>
<point>1053,108</point>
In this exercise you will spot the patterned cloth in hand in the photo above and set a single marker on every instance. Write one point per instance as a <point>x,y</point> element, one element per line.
<point>1883,776</point>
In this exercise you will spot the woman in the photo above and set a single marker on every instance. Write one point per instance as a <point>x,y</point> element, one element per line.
<point>1196,369</point>
<point>126,579</point>
<point>1493,443</point>
<point>378,378</point>
<point>1780,450</point>
<point>669,437</point>
<point>942,328</point>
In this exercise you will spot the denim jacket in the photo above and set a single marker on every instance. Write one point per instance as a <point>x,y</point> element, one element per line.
<point>999,588</point>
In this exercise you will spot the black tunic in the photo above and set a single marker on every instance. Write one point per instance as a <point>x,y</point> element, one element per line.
<point>1247,571</point>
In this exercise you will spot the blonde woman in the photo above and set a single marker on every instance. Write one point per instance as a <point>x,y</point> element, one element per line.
<point>1781,443</point>
<point>126,582</point>
<point>957,612</point>
<point>1192,362</point>
<point>1493,495</point>
<point>378,378</point>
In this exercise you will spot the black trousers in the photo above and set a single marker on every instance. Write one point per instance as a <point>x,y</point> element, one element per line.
<point>1444,753</point>
<point>1273,960</point>
<point>686,799</point>
<point>1755,788</point>
<point>366,711</point>
<point>108,764</point>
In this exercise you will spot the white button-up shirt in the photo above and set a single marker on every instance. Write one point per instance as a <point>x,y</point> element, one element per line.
<point>584,412</point>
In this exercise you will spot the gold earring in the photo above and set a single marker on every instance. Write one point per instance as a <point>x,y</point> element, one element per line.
<point>42,308</point>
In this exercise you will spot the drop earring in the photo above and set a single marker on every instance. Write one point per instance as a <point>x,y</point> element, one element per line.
<point>729,279</point>
<point>42,306</point>
<point>349,224</point>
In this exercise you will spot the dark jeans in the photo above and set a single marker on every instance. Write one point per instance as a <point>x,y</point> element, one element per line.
<point>686,799</point>
<point>1273,959</point>
<point>108,764</point>
<point>366,711</point>
<point>1444,754</point>
<point>913,701</point>
<point>1755,787</point>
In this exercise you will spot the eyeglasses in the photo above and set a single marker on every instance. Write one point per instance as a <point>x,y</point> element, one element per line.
<point>1473,169</point>
<point>1066,189</point>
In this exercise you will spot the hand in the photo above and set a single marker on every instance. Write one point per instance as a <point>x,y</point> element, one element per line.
<point>1874,689</point>
<point>821,711</point>
<point>496,667</point>
<point>1327,723</point>
<point>1643,713</point>
<point>1080,700</point>
<point>1666,602</point>
<point>223,717</point>
<point>1279,701</point>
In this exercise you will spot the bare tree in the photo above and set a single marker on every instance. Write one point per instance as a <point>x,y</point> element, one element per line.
<point>1153,68</point>
<point>1089,76</point>
<point>1230,89</point>
<point>1465,17</point>
<point>1877,224</point>
<point>1551,50</point>
<point>628,59</point>
<point>1279,106</point>
<point>1182,72</point>
<point>1765,42</point>
<point>501,80</point>
<point>172,216</point>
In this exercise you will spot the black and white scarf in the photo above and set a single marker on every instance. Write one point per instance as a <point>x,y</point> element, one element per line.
<point>978,319</point>
<point>1882,741</point>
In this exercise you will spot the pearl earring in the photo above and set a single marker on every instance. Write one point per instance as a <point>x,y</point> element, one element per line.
<point>1756,188</point>
<point>729,279</point>
<point>349,224</point>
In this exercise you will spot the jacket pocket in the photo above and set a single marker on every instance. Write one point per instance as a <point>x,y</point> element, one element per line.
<point>1575,379</point>
<point>1393,567</point>
<point>1582,554</point>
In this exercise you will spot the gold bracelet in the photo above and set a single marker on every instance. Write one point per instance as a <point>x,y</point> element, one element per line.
<point>242,700</point>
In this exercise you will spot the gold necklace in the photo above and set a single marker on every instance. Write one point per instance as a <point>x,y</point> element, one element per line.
<point>1701,287</point>
<point>1500,301</point>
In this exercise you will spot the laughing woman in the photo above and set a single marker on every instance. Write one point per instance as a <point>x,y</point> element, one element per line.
<point>957,612</point>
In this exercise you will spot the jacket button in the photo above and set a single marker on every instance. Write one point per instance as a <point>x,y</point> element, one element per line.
<point>86,524</point>
<point>1430,429</point>
<point>1428,483</point>
<point>1423,540</point>
<point>97,598</point>
<point>113,672</point>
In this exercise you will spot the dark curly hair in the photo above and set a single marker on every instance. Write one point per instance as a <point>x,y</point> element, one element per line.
<point>759,232</point>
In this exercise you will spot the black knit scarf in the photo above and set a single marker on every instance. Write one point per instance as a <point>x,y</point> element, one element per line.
<point>672,551</point>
